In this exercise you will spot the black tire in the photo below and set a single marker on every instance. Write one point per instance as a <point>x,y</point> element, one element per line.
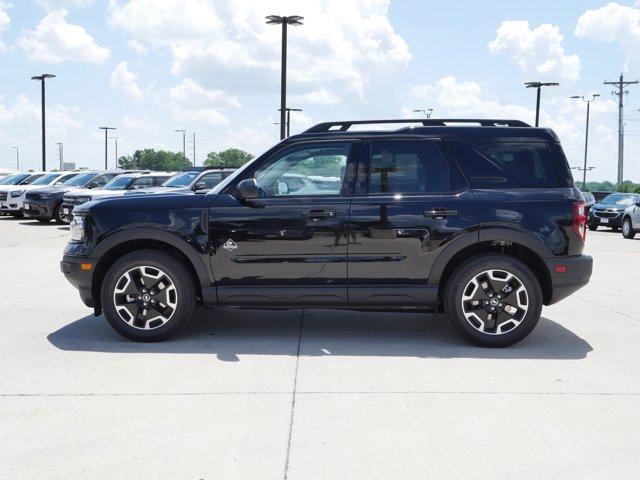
<point>17,215</point>
<point>43,220</point>
<point>615,229</point>
<point>627,229</point>
<point>57,215</point>
<point>465,273</point>
<point>179,276</point>
<point>593,228</point>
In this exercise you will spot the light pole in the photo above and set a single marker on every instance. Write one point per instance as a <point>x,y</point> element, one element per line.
<point>586,135</point>
<point>106,150</point>
<point>194,149</point>
<point>427,112</point>
<point>284,21</point>
<point>184,142</point>
<point>116,142</point>
<point>17,158</point>
<point>538,86</point>
<point>289,110</point>
<point>60,153</point>
<point>41,79</point>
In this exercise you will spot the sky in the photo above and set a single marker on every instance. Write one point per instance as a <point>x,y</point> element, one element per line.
<point>212,67</point>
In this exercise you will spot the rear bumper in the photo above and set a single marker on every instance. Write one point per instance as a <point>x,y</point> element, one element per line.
<point>79,278</point>
<point>576,276</point>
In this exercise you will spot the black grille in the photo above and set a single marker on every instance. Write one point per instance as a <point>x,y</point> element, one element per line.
<point>32,196</point>
<point>605,214</point>
<point>76,200</point>
<point>3,196</point>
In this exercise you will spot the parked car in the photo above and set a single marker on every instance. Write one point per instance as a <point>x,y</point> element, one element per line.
<point>631,220</point>
<point>483,221</point>
<point>608,212</point>
<point>599,195</point>
<point>10,180</point>
<point>14,195</point>
<point>589,201</point>
<point>121,184</point>
<point>193,179</point>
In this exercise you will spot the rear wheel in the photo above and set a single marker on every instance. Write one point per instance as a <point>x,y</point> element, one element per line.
<point>148,296</point>
<point>57,215</point>
<point>493,300</point>
<point>627,229</point>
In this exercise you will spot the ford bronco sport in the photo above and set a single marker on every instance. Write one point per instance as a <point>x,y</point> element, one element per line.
<point>479,218</point>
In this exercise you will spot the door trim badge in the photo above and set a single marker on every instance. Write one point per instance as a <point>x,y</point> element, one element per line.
<point>230,245</point>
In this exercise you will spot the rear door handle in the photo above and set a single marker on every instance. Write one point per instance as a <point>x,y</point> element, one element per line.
<point>440,213</point>
<point>318,214</point>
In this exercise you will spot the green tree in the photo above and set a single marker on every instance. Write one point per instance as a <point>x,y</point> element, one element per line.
<point>229,158</point>
<point>150,159</point>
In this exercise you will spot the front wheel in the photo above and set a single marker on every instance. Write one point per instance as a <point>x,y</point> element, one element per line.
<point>57,215</point>
<point>593,228</point>
<point>493,300</point>
<point>148,296</point>
<point>627,229</point>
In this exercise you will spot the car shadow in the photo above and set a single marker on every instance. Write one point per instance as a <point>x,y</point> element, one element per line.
<point>228,333</point>
<point>35,223</point>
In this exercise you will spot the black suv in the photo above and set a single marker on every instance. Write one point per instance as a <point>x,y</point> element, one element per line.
<point>483,221</point>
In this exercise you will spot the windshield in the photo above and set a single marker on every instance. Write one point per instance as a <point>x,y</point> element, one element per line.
<point>118,183</point>
<point>620,199</point>
<point>46,179</point>
<point>14,179</point>
<point>79,180</point>
<point>181,180</point>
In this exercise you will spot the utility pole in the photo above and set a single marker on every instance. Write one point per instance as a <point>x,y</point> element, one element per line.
<point>194,148</point>
<point>538,86</point>
<point>115,139</point>
<point>293,20</point>
<point>41,79</point>
<point>60,153</point>
<point>184,143</point>
<point>620,94</point>
<point>106,149</point>
<point>17,158</point>
<point>288,121</point>
<point>586,137</point>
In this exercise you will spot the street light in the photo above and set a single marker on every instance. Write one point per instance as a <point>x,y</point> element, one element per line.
<point>42,79</point>
<point>106,136</point>
<point>289,110</point>
<point>586,135</point>
<point>539,85</point>
<point>184,142</point>
<point>293,20</point>
<point>116,142</point>
<point>17,158</point>
<point>427,112</point>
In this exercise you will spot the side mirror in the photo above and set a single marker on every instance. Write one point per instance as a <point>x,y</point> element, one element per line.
<point>92,185</point>
<point>248,189</point>
<point>198,187</point>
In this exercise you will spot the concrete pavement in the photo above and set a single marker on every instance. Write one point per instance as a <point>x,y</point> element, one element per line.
<point>315,393</point>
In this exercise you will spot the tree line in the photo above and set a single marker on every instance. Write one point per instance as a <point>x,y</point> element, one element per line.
<point>162,160</point>
<point>627,186</point>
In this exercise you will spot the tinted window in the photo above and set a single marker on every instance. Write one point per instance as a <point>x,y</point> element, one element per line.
<point>211,180</point>
<point>14,179</point>
<point>46,179</point>
<point>65,178</point>
<point>181,180</point>
<point>79,180</point>
<point>399,166</point>
<point>102,180</point>
<point>506,165</point>
<point>299,171</point>
<point>142,182</point>
<point>118,183</point>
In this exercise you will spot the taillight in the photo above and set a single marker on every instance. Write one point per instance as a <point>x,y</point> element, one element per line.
<point>579,219</point>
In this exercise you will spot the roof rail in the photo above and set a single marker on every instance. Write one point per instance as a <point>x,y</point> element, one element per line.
<point>425,122</point>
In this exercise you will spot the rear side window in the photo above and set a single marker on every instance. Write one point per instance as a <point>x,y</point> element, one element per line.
<point>506,165</point>
<point>407,166</point>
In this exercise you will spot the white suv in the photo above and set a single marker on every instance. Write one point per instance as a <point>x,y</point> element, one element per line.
<point>12,196</point>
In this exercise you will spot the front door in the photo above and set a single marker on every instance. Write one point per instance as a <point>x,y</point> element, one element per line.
<point>410,202</point>
<point>289,246</point>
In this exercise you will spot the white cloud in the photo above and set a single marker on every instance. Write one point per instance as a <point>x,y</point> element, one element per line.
<point>24,111</point>
<point>127,81</point>
<point>5,20</point>
<point>141,123</point>
<point>54,41</point>
<point>59,4</point>
<point>322,96</point>
<point>536,51</point>
<point>340,46</point>
<point>137,47</point>
<point>612,23</point>
<point>191,102</point>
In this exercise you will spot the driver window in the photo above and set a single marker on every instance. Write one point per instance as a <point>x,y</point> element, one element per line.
<point>317,170</point>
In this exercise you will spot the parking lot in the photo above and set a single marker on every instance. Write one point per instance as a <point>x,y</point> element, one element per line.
<point>314,393</point>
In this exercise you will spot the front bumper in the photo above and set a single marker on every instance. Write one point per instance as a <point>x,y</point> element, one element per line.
<point>576,275</point>
<point>80,278</point>
<point>39,208</point>
<point>12,204</point>
<point>613,222</point>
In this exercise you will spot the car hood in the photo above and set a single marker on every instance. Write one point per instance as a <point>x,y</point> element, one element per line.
<point>610,206</point>
<point>60,190</point>
<point>142,202</point>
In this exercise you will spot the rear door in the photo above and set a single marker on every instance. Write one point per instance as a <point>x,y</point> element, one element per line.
<point>411,200</point>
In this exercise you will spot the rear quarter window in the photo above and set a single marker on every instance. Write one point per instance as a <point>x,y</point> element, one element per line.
<point>506,164</point>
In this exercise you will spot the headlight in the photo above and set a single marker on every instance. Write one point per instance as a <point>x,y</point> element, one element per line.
<point>17,193</point>
<point>77,229</point>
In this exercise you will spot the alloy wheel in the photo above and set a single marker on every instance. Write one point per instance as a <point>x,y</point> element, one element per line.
<point>145,297</point>
<point>495,302</point>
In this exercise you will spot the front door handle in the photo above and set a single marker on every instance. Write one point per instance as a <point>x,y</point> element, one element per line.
<point>318,214</point>
<point>440,213</point>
